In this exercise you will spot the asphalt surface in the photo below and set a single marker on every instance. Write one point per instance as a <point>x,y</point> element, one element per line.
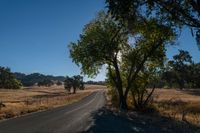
<point>72,118</point>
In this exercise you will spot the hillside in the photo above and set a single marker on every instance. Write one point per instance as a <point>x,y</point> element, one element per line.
<point>31,79</point>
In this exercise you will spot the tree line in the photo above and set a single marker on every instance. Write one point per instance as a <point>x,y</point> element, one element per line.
<point>181,72</point>
<point>9,80</point>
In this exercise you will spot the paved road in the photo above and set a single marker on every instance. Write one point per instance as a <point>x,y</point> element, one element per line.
<point>68,119</point>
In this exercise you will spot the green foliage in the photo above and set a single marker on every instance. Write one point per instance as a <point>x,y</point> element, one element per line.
<point>8,80</point>
<point>177,13</point>
<point>182,71</point>
<point>97,44</point>
<point>75,82</point>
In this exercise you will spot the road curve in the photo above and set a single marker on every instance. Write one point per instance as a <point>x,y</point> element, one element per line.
<point>67,119</point>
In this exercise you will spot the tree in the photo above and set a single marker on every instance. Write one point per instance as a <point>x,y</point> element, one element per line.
<point>58,83</point>
<point>170,12</point>
<point>180,67</point>
<point>105,43</point>
<point>68,83</point>
<point>195,75</point>
<point>45,82</point>
<point>8,80</point>
<point>75,82</point>
<point>141,96</point>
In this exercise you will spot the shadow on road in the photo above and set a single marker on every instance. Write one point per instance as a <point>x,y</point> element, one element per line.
<point>106,121</point>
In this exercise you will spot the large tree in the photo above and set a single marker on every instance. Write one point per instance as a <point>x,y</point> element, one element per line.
<point>8,80</point>
<point>106,43</point>
<point>181,70</point>
<point>178,13</point>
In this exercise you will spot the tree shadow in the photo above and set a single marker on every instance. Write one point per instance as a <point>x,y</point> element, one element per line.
<point>107,121</point>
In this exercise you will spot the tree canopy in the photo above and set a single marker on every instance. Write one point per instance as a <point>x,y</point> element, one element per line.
<point>177,13</point>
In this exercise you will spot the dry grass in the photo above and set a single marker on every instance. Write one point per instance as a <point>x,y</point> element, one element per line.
<point>181,105</point>
<point>19,102</point>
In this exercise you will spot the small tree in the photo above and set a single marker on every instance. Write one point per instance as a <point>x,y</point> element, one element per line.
<point>46,83</point>
<point>75,82</point>
<point>68,83</point>
<point>58,83</point>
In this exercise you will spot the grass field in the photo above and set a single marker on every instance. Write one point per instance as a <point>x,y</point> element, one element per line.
<point>181,105</point>
<point>26,100</point>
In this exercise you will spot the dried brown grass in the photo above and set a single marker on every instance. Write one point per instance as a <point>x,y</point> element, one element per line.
<point>19,102</point>
<point>178,104</point>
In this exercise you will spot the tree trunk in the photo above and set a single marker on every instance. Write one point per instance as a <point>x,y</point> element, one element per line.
<point>119,86</point>
<point>74,90</point>
<point>122,103</point>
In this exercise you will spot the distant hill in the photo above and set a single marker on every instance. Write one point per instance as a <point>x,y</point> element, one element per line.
<point>32,79</point>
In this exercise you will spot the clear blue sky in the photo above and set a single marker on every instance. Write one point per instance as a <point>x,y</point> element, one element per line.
<point>34,34</point>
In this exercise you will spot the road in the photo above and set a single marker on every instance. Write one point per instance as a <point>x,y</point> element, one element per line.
<point>67,119</point>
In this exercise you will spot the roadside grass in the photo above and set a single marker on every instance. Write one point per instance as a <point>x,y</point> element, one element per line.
<point>178,104</point>
<point>20,102</point>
